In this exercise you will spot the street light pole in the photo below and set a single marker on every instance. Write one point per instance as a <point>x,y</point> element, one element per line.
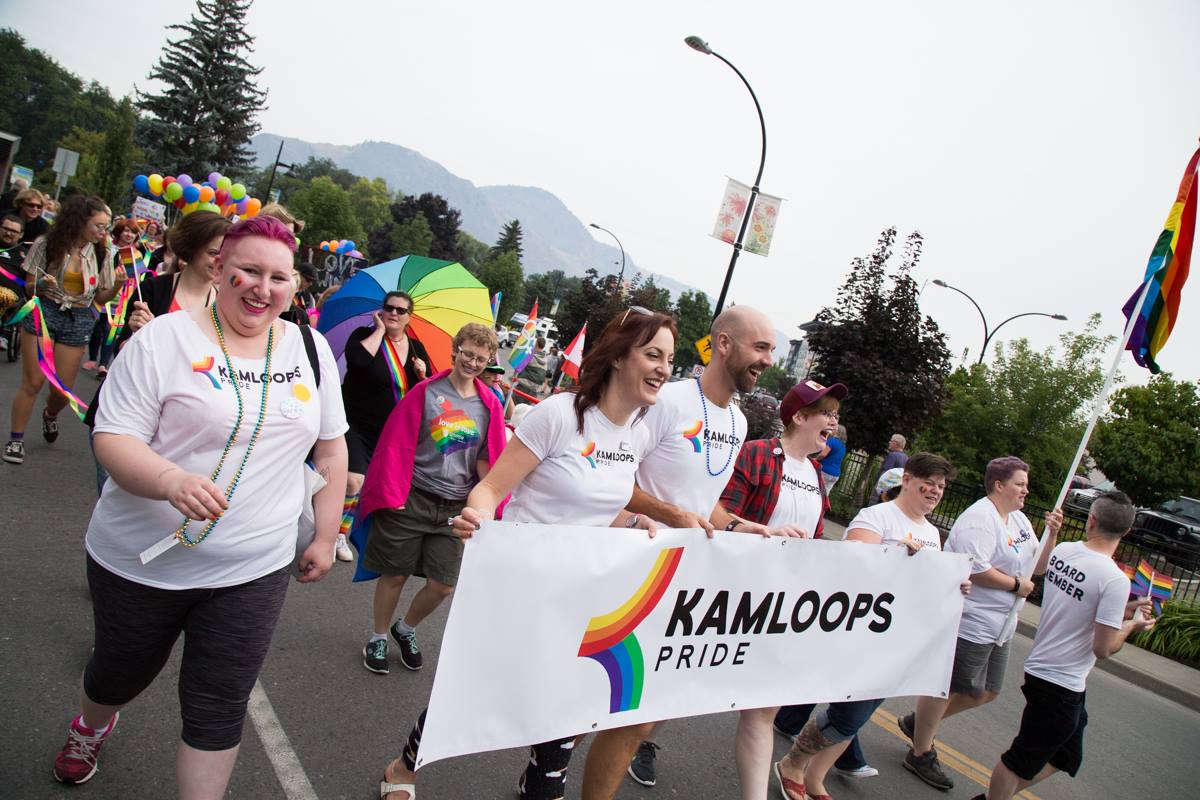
<point>699,45</point>
<point>621,279</point>
<point>275,166</point>
<point>988,334</point>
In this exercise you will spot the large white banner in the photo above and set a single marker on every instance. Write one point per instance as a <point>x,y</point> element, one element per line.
<point>560,630</point>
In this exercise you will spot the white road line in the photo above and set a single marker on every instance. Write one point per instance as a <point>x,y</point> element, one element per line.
<point>287,766</point>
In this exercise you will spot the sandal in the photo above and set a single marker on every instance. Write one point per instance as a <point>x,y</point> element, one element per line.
<point>788,787</point>
<point>386,788</point>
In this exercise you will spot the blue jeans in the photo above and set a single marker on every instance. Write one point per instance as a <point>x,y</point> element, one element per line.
<point>791,719</point>
<point>101,472</point>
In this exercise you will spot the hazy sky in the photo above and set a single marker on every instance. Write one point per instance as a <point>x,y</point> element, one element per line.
<point>1036,145</point>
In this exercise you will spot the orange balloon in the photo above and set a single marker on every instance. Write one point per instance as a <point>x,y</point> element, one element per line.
<point>207,194</point>
<point>253,206</point>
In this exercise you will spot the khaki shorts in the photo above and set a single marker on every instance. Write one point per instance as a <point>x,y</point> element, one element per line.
<point>416,539</point>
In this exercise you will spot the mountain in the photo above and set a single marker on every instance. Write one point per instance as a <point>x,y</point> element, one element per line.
<point>554,238</point>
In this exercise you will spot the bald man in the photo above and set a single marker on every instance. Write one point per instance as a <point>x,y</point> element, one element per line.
<point>693,434</point>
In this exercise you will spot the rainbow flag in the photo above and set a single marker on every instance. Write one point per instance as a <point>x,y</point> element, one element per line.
<point>522,352</point>
<point>1165,275</point>
<point>1146,582</point>
<point>496,298</point>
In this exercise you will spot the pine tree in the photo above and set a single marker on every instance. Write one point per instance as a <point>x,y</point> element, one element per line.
<point>204,118</point>
<point>509,241</point>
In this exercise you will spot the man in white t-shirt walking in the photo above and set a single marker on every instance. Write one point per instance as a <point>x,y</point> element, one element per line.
<point>1002,546</point>
<point>691,437</point>
<point>1085,616</point>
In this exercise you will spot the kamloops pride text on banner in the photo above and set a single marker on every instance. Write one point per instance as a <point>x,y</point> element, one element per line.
<point>604,628</point>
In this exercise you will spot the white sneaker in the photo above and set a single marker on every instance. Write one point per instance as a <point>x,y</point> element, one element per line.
<point>342,549</point>
<point>865,771</point>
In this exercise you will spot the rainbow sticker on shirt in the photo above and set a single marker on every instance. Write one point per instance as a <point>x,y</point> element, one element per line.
<point>692,434</point>
<point>453,430</point>
<point>204,367</point>
<point>587,451</point>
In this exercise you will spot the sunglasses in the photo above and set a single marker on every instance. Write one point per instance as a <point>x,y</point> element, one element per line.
<point>398,310</point>
<point>38,206</point>
<point>636,310</point>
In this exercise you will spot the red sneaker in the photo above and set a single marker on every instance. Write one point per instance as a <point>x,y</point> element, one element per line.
<point>76,762</point>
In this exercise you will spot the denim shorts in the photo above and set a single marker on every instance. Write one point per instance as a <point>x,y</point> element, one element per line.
<point>70,328</point>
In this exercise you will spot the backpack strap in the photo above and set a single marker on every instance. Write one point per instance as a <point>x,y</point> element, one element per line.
<point>310,347</point>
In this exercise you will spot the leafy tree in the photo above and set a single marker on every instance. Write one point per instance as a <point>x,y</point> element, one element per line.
<point>595,301</point>
<point>370,200</point>
<point>875,341</point>
<point>1028,403</point>
<point>443,222</point>
<point>472,252</point>
<point>90,146</point>
<point>502,273</point>
<point>644,292</point>
<point>42,102</point>
<point>694,317</point>
<point>510,240</point>
<point>1149,441</point>
<point>775,381</point>
<point>208,112</point>
<point>117,155</point>
<point>411,238</point>
<point>325,208</point>
<point>550,286</point>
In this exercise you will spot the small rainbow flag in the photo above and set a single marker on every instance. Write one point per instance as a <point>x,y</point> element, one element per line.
<point>1165,275</point>
<point>1145,581</point>
<point>522,352</point>
<point>496,298</point>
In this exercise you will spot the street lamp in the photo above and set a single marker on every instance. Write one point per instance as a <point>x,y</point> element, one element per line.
<point>987,335</point>
<point>620,280</point>
<point>275,166</point>
<point>700,46</point>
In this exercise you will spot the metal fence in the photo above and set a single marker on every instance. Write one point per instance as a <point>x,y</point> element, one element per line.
<point>959,496</point>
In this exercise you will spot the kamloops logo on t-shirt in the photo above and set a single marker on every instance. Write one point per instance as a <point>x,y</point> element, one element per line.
<point>596,456</point>
<point>716,440</point>
<point>1023,537</point>
<point>797,485</point>
<point>219,374</point>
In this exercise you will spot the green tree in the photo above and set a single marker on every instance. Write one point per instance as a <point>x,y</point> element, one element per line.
<point>411,237</point>
<point>206,115</point>
<point>775,381</point>
<point>550,286</point>
<point>596,300</point>
<point>502,273</point>
<point>369,201</point>
<point>510,240</point>
<point>1149,441</point>
<point>472,252</point>
<point>694,316</point>
<point>90,146</point>
<point>117,155</point>
<point>875,341</point>
<point>1027,403</point>
<point>325,208</point>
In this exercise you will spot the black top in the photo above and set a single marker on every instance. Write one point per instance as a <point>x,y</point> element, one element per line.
<point>367,391</point>
<point>13,260</point>
<point>34,228</point>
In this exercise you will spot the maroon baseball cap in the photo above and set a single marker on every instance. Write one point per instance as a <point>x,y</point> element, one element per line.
<point>805,393</point>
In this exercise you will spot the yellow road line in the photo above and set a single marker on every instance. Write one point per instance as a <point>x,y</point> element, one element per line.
<point>955,760</point>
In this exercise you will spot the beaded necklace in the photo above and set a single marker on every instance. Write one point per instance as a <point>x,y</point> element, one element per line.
<point>708,441</point>
<point>181,532</point>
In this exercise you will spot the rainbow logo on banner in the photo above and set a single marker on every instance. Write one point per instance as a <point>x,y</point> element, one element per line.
<point>692,434</point>
<point>610,640</point>
<point>587,453</point>
<point>204,367</point>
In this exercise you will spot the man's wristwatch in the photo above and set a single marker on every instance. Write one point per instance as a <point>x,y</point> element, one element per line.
<point>733,524</point>
<point>1016,589</point>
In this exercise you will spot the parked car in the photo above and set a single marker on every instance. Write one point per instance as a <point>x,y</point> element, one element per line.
<point>1079,500</point>
<point>1172,529</point>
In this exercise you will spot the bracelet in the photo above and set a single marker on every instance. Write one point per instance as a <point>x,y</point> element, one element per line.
<point>632,521</point>
<point>1016,585</point>
<point>732,525</point>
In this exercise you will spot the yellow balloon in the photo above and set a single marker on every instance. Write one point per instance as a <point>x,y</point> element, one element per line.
<point>156,184</point>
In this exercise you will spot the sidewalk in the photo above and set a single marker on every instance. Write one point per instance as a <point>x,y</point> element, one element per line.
<point>1162,676</point>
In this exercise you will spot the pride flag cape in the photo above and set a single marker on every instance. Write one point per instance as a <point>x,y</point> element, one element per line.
<point>1165,275</point>
<point>1145,581</point>
<point>522,352</point>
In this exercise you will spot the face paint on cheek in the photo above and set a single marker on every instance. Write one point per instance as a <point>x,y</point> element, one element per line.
<point>235,281</point>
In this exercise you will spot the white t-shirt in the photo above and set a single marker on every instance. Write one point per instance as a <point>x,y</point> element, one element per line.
<point>981,534</point>
<point>583,478</point>
<point>887,520</point>
<point>799,496</point>
<point>677,443</point>
<point>1082,587</point>
<point>169,387</point>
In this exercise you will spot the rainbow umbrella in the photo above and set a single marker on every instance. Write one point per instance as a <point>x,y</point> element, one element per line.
<point>445,297</point>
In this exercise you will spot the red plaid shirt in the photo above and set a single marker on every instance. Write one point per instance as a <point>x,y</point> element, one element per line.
<point>753,490</point>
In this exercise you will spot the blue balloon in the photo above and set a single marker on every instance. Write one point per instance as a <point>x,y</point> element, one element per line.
<point>191,194</point>
<point>141,184</point>
<point>350,245</point>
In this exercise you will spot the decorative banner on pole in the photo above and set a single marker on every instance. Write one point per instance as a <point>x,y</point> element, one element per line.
<point>617,628</point>
<point>733,208</point>
<point>145,208</point>
<point>762,224</point>
<point>704,348</point>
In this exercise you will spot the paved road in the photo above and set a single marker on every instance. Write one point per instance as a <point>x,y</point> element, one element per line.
<point>343,723</point>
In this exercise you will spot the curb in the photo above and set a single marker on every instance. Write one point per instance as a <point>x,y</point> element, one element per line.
<point>1128,672</point>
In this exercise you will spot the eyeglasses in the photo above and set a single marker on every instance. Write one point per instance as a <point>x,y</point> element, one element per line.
<point>830,414</point>
<point>636,310</point>
<point>398,310</point>
<point>471,358</point>
<point>37,206</point>
<point>11,231</point>
<point>101,227</point>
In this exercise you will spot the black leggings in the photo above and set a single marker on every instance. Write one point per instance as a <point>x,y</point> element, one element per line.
<point>227,633</point>
<point>545,776</point>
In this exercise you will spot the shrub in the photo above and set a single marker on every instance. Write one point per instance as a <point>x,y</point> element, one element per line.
<point>1177,634</point>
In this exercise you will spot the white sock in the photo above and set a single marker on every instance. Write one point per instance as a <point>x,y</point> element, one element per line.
<point>375,637</point>
<point>404,627</point>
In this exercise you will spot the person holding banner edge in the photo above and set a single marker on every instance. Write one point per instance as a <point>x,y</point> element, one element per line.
<point>583,434</point>
<point>1000,540</point>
